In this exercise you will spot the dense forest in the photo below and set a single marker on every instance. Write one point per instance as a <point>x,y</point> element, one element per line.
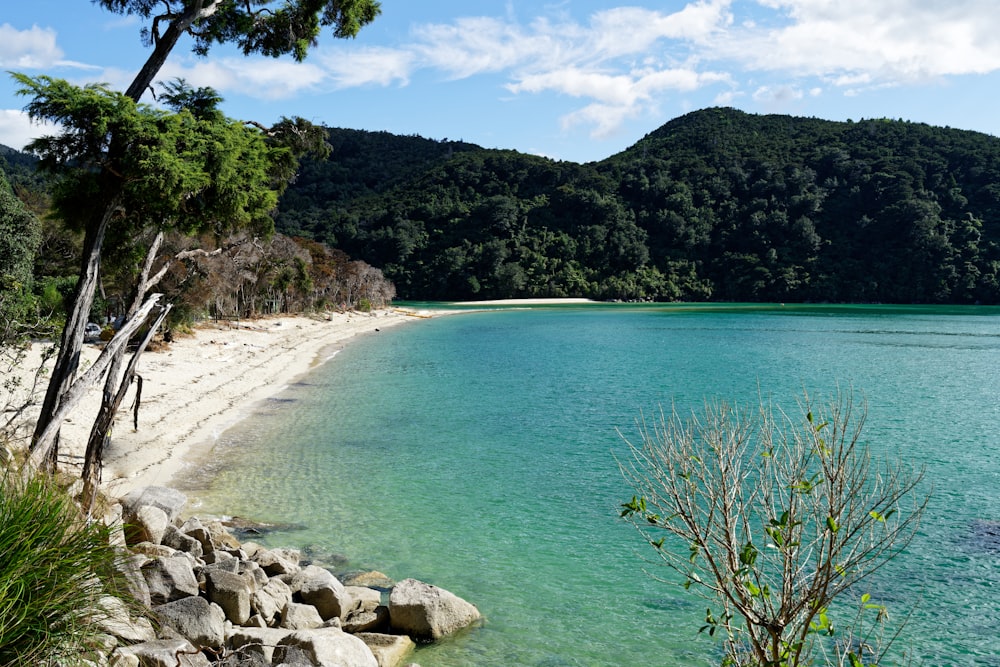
<point>716,205</point>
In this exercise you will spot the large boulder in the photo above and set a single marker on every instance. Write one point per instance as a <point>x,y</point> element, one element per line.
<point>326,647</point>
<point>231,592</point>
<point>298,616</point>
<point>175,539</point>
<point>114,618</point>
<point>322,590</point>
<point>195,619</point>
<point>427,612</point>
<point>171,501</point>
<point>170,578</point>
<point>166,653</point>
<point>145,523</point>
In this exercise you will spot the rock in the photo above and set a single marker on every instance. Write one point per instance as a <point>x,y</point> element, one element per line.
<point>114,619</point>
<point>389,650</point>
<point>275,562</point>
<point>120,659</point>
<point>221,537</point>
<point>297,616</point>
<point>328,647</point>
<point>196,619</point>
<point>145,524</point>
<point>131,569</point>
<point>175,539</point>
<point>367,621</point>
<point>270,600</point>
<point>373,579</point>
<point>169,579</point>
<point>256,641</point>
<point>170,501</point>
<point>195,529</point>
<point>427,612</point>
<point>322,590</point>
<point>231,592</point>
<point>113,519</point>
<point>165,653</point>
<point>363,598</point>
<point>152,550</point>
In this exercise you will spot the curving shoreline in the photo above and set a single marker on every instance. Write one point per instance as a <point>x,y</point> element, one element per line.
<point>203,383</point>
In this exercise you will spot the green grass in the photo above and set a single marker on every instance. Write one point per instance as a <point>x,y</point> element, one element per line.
<point>54,567</point>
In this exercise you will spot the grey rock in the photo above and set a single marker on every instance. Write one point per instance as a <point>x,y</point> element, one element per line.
<point>114,618</point>
<point>389,650</point>
<point>175,539</point>
<point>298,616</point>
<point>363,598</point>
<point>259,641</point>
<point>169,579</point>
<point>328,647</point>
<point>171,501</point>
<point>231,592</point>
<point>277,561</point>
<point>427,612</point>
<point>165,653</point>
<point>367,621</point>
<point>196,619</point>
<point>145,524</point>
<point>324,591</point>
<point>270,600</point>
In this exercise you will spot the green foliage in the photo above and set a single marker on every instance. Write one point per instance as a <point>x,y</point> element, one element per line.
<point>717,204</point>
<point>54,569</point>
<point>774,520</point>
<point>20,235</point>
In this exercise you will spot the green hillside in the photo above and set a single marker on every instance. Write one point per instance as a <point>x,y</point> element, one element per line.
<point>717,204</point>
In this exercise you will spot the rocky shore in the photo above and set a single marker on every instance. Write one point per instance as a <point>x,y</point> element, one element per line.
<point>206,599</point>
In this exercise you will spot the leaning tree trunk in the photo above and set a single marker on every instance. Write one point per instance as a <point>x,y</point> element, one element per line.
<point>68,358</point>
<point>45,440</point>
<point>100,434</point>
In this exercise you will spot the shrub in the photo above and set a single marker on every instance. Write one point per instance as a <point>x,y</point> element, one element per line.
<point>54,568</point>
<point>772,519</point>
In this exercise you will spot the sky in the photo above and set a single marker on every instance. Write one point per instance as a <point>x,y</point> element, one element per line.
<point>574,80</point>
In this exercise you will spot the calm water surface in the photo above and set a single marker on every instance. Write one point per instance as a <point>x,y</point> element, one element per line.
<point>476,452</point>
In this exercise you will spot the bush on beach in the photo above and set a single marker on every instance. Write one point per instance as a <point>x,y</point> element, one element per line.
<point>54,568</point>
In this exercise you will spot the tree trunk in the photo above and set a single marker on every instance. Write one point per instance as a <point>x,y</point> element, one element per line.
<point>44,442</point>
<point>100,434</point>
<point>68,358</point>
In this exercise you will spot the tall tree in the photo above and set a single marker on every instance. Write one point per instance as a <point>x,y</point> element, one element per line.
<point>267,27</point>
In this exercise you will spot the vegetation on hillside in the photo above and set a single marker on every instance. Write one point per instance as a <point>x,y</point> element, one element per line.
<point>715,205</point>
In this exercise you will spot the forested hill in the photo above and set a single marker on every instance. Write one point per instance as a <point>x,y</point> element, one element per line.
<point>717,204</point>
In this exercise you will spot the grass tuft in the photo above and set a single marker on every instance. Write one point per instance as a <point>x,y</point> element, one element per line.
<point>54,568</point>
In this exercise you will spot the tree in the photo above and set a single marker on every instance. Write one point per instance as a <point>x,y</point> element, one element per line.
<point>290,28</point>
<point>772,519</point>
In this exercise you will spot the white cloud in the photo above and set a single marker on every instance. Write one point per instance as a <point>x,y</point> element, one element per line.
<point>902,41</point>
<point>34,48</point>
<point>263,78</point>
<point>375,66</point>
<point>16,130</point>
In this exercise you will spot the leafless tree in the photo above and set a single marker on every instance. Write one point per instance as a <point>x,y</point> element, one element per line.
<point>771,518</point>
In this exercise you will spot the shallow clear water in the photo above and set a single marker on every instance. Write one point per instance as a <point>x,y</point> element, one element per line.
<point>476,452</point>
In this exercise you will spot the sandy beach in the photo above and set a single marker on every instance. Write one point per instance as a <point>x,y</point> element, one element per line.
<point>202,383</point>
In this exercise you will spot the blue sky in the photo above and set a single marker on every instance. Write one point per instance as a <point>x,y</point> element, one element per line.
<point>574,79</point>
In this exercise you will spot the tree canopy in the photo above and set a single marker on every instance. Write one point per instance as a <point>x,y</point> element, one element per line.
<point>717,204</point>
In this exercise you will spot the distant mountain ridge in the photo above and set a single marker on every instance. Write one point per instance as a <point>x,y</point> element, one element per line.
<point>717,204</point>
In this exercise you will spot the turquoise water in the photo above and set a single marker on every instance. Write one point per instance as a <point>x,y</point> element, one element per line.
<point>476,452</point>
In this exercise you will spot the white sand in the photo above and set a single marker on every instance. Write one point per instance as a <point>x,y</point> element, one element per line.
<point>204,383</point>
